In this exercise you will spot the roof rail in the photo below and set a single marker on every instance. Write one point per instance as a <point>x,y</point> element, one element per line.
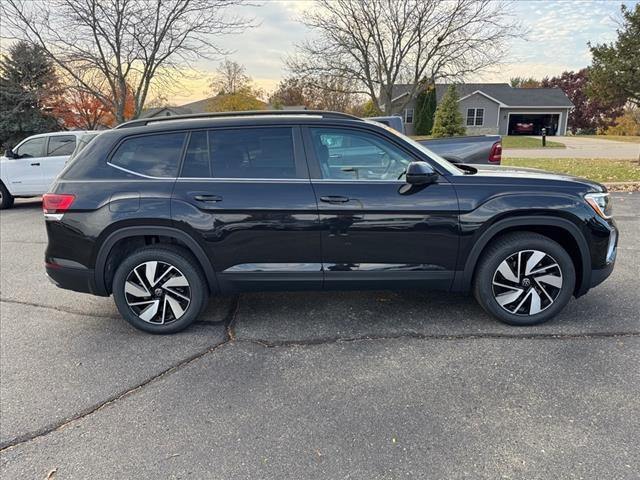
<point>140,122</point>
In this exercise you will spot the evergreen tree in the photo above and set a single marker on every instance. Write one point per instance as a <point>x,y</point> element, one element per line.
<point>425,110</point>
<point>615,72</point>
<point>27,80</point>
<point>370,110</point>
<point>448,120</point>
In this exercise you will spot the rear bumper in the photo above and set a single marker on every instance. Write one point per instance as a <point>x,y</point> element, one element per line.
<point>76,279</point>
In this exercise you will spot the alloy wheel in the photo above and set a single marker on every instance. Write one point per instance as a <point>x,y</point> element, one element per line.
<point>157,292</point>
<point>527,282</point>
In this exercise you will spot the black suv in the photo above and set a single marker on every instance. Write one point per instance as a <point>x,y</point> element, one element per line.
<point>162,213</point>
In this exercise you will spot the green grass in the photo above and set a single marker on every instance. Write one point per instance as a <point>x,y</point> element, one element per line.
<point>617,138</point>
<point>421,137</point>
<point>600,170</point>
<point>518,141</point>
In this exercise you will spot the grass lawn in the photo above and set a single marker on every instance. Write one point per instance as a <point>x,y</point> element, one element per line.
<point>617,138</point>
<point>518,141</point>
<point>600,170</point>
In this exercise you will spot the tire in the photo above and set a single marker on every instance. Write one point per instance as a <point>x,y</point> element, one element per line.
<point>6,199</point>
<point>524,278</point>
<point>173,302</point>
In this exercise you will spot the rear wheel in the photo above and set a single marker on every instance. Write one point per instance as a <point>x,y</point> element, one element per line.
<point>6,199</point>
<point>160,289</point>
<point>524,279</point>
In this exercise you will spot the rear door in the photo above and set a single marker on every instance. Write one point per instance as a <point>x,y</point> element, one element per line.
<point>378,231</point>
<point>245,193</point>
<point>59,147</point>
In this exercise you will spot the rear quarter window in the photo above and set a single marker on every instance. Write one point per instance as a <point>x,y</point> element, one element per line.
<point>150,155</point>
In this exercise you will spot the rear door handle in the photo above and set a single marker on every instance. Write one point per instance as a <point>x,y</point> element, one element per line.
<point>35,164</point>
<point>334,199</point>
<point>207,198</point>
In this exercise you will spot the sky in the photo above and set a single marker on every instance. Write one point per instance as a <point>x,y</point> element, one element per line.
<point>556,41</point>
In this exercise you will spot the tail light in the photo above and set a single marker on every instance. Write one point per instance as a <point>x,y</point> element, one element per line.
<point>495,156</point>
<point>55,203</point>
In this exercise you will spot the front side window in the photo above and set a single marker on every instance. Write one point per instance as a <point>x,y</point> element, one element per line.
<point>61,145</point>
<point>151,155</point>
<point>352,155</point>
<point>475,117</point>
<point>241,153</point>
<point>408,115</point>
<point>31,148</point>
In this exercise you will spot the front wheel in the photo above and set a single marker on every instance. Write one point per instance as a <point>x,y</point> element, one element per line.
<point>6,199</point>
<point>524,279</point>
<point>160,289</point>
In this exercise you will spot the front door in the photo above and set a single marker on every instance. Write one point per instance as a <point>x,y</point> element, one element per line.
<point>246,194</point>
<point>377,230</point>
<point>24,173</point>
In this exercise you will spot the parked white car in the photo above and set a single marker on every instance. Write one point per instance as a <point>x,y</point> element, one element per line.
<point>28,169</point>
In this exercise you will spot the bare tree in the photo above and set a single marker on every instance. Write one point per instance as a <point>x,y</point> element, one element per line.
<point>230,78</point>
<point>115,49</point>
<point>380,43</point>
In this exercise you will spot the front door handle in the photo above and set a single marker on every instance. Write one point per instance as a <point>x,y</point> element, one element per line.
<point>207,198</point>
<point>334,199</point>
<point>35,164</point>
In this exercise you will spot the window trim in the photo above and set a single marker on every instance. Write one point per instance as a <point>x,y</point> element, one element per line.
<point>474,117</point>
<point>406,115</point>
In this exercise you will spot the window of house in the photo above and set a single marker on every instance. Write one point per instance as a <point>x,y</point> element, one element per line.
<point>408,115</point>
<point>61,145</point>
<point>152,155</point>
<point>475,117</point>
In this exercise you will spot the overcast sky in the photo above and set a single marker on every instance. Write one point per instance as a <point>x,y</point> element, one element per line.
<point>557,41</point>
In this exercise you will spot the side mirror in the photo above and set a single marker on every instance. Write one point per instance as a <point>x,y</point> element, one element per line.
<point>420,173</point>
<point>9,153</point>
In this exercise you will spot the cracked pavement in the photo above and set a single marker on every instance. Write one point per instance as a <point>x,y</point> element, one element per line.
<point>316,385</point>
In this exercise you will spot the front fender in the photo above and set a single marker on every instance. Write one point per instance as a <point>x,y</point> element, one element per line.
<point>519,212</point>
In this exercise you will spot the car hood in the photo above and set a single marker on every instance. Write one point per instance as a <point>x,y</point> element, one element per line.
<point>534,174</point>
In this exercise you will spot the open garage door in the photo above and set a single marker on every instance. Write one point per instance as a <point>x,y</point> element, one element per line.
<point>533,123</point>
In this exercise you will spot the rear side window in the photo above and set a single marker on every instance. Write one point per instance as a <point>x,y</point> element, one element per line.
<point>241,153</point>
<point>61,145</point>
<point>151,155</point>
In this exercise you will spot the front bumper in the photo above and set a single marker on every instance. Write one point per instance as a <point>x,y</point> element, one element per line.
<point>599,275</point>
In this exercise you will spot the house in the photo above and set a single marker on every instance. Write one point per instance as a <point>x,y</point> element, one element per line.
<point>490,108</point>
<point>199,106</point>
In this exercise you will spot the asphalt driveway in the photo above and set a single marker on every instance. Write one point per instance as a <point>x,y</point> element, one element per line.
<point>579,147</point>
<point>316,385</point>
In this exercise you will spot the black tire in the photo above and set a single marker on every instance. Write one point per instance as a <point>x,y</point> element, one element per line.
<point>6,199</point>
<point>184,269</point>
<point>491,287</point>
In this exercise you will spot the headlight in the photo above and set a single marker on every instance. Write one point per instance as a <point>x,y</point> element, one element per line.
<point>601,203</point>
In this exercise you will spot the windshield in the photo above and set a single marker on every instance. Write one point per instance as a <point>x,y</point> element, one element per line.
<point>445,164</point>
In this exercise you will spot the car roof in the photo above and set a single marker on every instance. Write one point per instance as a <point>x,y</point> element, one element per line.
<point>76,133</point>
